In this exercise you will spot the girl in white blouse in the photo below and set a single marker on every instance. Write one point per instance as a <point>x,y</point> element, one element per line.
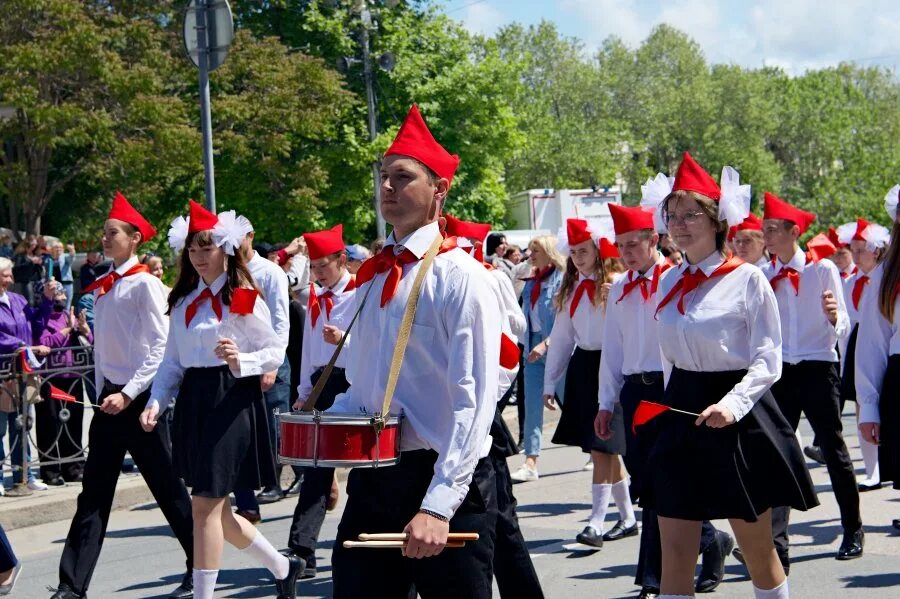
<point>220,341</point>
<point>720,339</point>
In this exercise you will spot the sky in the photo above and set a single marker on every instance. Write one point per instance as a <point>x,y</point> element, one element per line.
<point>796,35</point>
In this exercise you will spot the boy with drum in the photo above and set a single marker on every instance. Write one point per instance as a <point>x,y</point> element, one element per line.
<point>446,391</point>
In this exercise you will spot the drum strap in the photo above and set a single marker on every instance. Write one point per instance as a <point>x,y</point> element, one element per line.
<point>402,336</point>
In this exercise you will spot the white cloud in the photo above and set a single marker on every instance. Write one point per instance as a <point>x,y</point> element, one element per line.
<point>484,19</point>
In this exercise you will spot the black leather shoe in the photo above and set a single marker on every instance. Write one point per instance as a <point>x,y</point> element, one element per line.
<point>186,589</point>
<point>852,545</point>
<point>862,487</point>
<point>270,495</point>
<point>55,481</point>
<point>65,592</point>
<point>896,523</point>
<point>590,536</point>
<point>649,593</point>
<point>814,453</point>
<point>287,587</point>
<point>620,531</point>
<point>294,489</point>
<point>782,557</point>
<point>712,571</point>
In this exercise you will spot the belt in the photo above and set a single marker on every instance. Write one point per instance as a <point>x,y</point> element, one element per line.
<point>321,369</point>
<point>112,387</point>
<point>645,378</point>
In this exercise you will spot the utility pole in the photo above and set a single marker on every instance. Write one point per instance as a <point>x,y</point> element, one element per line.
<point>369,76</point>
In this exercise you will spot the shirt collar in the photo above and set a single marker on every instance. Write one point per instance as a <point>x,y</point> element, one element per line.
<point>708,265</point>
<point>342,283</point>
<point>216,286</point>
<point>797,262</point>
<point>255,258</point>
<point>581,278</point>
<point>417,242</point>
<point>126,266</point>
<point>4,298</point>
<point>651,272</point>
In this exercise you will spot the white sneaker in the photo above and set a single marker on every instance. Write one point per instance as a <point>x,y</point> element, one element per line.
<point>589,465</point>
<point>37,485</point>
<point>524,475</point>
<point>2,491</point>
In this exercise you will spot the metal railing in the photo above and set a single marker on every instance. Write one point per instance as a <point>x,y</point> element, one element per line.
<point>67,369</point>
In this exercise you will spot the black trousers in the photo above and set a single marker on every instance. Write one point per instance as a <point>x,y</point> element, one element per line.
<point>385,500</point>
<point>58,440</point>
<point>650,388</point>
<point>813,388</point>
<point>110,437</point>
<point>316,485</point>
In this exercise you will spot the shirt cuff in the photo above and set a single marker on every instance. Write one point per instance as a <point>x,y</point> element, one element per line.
<point>250,365</point>
<point>739,405</point>
<point>609,406</point>
<point>442,499</point>
<point>132,390</point>
<point>868,412</point>
<point>160,406</point>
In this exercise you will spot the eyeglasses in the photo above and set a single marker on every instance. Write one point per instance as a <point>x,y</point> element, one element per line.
<point>689,218</point>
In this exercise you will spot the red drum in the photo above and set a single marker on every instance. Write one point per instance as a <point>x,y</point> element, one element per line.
<point>337,440</point>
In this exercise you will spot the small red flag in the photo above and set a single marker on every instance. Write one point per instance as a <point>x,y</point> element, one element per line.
<point>509,352</point>
<point>820,247</point>
<point>645,412</point>
<point>57,393</point>
<point>243,300</point>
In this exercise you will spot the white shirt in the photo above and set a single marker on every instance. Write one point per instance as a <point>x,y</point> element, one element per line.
<point>273,283</point>
<point>515,318</point>
<point>730,323</point>
<point>130,329</point>
<point>4,299</point>
<point>193,346</point>
<point>534,314</point>
<point>447,387</point>
<point>630,336</point>
<point>300,274</point>
<point>762,262</point>
<point>876,341</point>
<point>316,353</point>
<point>853,313</point>
<point>808,335</point>
<point>584,330</point>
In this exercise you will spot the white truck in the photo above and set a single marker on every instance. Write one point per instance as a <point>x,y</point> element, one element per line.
<point>546,210</point>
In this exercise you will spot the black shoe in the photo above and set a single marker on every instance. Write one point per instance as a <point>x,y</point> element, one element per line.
<point>270,495</point>
<point>814,453</point>
<point>862,487</point>
<point>620,531</point>
<point>649,593</point>
<point>251,516</point>
<point>852,545</point>
<point>784,558</point>
<point>186,589</point>
<point>287,587</point>
<point>294,489</point>
<point>896,523</point>
<point>590,536</point>
<point>712,571</point>
<point>55,481</point>
<point>65,592</point>
<point>520,446</point>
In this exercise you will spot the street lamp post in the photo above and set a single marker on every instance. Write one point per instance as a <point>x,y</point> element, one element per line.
<point>369,76</point>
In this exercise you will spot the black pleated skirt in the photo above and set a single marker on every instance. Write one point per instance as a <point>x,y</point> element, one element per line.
<point>220,433</point>
<point>848,376</point>
<point>740,471</point>
<point>889,409</point>
<point>576,424</point>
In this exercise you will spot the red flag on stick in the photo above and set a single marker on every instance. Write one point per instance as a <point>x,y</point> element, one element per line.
<point>648,410</point>
<point>509,352</point>
<point>57,393</point>
<point>820,247</point>
<point>243,300</point>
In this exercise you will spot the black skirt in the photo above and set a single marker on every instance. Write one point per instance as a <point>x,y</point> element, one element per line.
<point>220,433</point>
<point>740,471</point>
<point>889,409</point>
<point>848,377</point>
<point>576,424</point>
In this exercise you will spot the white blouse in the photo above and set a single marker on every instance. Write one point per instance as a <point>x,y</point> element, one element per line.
<point>584,330</point>
<point>730,323</point>
<point>876,341</point>
<point>193,346</point>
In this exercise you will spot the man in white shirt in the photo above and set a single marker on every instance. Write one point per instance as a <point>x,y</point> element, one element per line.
<point>631,371</point>
<point>130,329</point>
<point>813,319</point>
<point>446,390</point>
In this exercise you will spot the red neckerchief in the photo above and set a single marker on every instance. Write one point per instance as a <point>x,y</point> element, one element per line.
<point>641,282</point>
<point>386,261</point>
<point>858,287</point>
<point>847,275</point>
<point>791,275</point>
<point>316,302</point>
<point>538,278</point>
<point>588,286</point>
<point>191,310</point>
<point>690,281</point>
<point>106,282</point>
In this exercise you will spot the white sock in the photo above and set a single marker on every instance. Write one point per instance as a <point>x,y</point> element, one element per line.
<point>622,498</point>
<point>600,495</point>
<point>204,583</point>
<point>870,459</point>
<point>779,592</point>
<point>262,551</point>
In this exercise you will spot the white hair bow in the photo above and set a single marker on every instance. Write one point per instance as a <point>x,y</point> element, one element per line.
<point>653,192</point>
<point>890,201</point>
<point>230,231</point>
<point>734,204</point>
<point>178,232</point>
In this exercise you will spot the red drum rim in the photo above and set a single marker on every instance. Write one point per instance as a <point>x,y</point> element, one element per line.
<point>338,463</point>
<point>332,418</point>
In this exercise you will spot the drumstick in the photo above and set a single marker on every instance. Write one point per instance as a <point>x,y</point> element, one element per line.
<point>402,536</point>
<point>392,544</point>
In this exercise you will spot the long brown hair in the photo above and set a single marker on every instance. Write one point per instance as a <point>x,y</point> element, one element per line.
<point>188,278</point>
<point>891,278</point>
<point>570,280</point>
